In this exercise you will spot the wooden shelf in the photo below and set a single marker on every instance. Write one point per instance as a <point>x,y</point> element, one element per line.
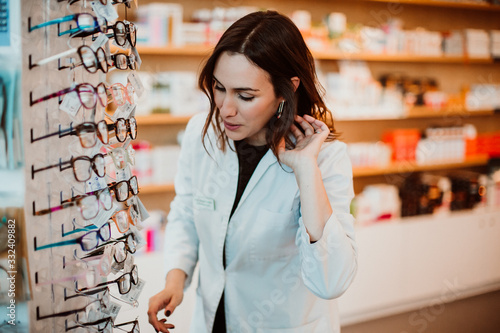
<point>336,55</point>
<point>203,50</point>
<point>156,189</point>
<point>447,4</point>
<point>425,112</point>
<point>402,167</point>
<point>188,50</point>
<point>405,167</point>
<point>162,119</point>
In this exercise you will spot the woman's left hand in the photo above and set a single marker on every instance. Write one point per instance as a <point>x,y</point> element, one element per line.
<point>308,143</point>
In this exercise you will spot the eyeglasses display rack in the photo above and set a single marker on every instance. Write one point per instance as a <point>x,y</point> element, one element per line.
<point>83,213</point>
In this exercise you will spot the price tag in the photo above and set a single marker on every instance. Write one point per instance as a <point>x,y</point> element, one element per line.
<point>100,42</point>
<point>142,210</point>
<point>141,242</point>
<point>124,111</point>
<point>136,82</point>
<point>103,216</point>
<point>133,295</point>
<point>70,104</point>
<point>112,309</point>
<point>105,11</point>
<point>138,59</point>
<point>96,183</point>
<point>124,174</point>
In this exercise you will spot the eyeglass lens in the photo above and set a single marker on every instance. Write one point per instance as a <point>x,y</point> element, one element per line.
<point>83,166</point>
<point>89,132</point>
<point>89,205</point>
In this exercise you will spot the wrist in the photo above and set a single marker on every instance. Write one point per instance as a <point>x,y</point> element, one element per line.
<point>305,167</point>
<point>176,277</point>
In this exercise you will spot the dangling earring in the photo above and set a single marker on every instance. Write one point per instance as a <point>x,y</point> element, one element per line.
<point>280,110</point>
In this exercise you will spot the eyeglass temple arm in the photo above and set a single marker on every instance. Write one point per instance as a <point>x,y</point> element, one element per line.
<point>60,314</point>
<point>51,22</point>
<point>56,244</point>
<point>61,133</point>
<point>51,58</point>
<point>51,209</point>
<point>87,228</point>
<point>80,294</point>
<point>60,165</point>
<point>56,94</point>
<point>126,323</point>
<point>93,288</point>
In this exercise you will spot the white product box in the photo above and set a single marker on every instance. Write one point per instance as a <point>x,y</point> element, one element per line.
<point>477,43</point>
<point>495,43</point>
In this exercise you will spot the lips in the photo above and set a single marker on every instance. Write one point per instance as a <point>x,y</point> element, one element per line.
<point>231,127</point>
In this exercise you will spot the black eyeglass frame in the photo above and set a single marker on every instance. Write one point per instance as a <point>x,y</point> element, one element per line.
<point>64,165</point>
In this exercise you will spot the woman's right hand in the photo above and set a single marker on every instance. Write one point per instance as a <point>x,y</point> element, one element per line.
<point>167,299</point>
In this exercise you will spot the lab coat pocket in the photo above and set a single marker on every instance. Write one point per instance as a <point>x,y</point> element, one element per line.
<point>273,235</point>
<point>207,225</point>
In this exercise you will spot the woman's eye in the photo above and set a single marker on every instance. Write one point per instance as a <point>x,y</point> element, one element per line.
<point>219,88</point>
<point>246,98</point>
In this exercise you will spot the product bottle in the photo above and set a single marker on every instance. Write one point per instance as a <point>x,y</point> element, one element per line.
<point>444,185</point>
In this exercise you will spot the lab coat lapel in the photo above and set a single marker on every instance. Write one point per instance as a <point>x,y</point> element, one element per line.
<point>266,161</point>
<point>229,177</point>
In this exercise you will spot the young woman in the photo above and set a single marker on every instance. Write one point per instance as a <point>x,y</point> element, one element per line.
<point>262,193</point>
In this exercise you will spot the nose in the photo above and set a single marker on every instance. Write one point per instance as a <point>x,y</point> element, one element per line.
<point>228,107</point>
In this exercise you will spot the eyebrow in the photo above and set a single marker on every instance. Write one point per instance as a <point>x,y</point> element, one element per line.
<point>238,89</point>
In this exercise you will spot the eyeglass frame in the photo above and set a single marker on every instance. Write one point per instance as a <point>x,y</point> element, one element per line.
<point>78,50</point>
<point>71,162</point>
<point>65,313</point>
<point>76,201</point>
<point>127,94</point>
<point>113,126</point>
<point>117,281</point>
<point>78,31</point>
<point>98,233</point>
<point>75,131</point>
<point>131,62</point>
<point>128,35</point>
<point>76,89</point>
<point>125,239</point>
<point>130,190</point>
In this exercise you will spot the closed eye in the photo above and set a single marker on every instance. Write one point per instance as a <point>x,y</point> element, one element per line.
<point>219,88</point>
<point>246,99</point>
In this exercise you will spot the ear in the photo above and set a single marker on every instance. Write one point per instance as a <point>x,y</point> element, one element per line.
<point>296,81</point>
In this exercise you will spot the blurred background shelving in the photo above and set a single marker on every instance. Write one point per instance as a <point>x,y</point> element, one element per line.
<point>411,248</point>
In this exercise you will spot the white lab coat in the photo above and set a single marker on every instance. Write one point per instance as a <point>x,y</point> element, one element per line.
<point>275,279</point>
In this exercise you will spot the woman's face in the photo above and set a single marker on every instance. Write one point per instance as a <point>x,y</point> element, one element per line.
<point>245,97</point>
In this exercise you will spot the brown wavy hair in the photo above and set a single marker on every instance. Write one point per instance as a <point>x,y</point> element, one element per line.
<point>272,42</point>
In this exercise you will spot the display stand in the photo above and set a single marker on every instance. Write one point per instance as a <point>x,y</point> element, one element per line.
<point>67,219</point>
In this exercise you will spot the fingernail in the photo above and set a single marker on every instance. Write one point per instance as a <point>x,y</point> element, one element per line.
<point>168,313</point>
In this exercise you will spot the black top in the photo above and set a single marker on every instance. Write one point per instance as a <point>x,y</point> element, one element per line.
<point>248,158</point>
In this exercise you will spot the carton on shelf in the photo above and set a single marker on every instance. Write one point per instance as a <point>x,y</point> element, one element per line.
<point>159,24</point>
<point>477,43</point>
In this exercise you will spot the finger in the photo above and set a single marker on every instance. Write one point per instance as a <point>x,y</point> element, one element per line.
<point>316,123</point>
<point>308,129</point>
<point>296,132</point>
<point>174,302</point>
<point>165,327</point>
<point>153,320</point>
<point>319,126</point>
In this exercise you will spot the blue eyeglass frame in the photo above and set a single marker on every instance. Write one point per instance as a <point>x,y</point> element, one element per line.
<point>80,31</point>
<point>79,240</point>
